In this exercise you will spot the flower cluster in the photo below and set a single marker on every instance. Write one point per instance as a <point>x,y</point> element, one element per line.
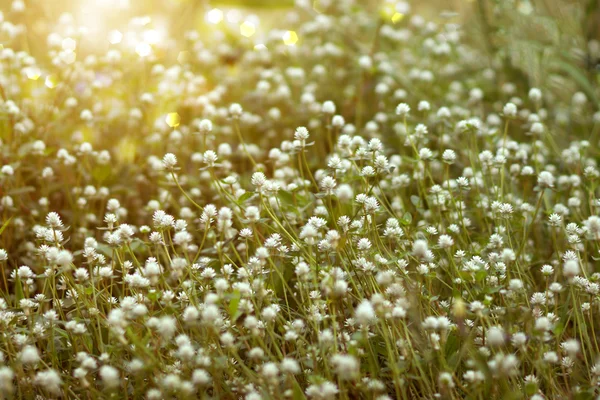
<point>376,211</point>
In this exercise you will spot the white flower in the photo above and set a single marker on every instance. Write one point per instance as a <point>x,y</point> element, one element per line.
<point>259,179</point>
<point>571,268</point>
<point>110,376</point>
<point>449,156</point>
<point>510,110</point>
<point>328,107</point>
<point>210,157</point>
<point>445,241</point>
<point>546,179</point>
<point>345,366</point>
<point>328,184</point>
<point>364,313</point>
<point>363,244</point>
<point>53,220</point>
<point>235,110</point>
<point>169,160</point>
<point>402,109</point>
<point>49,380</point>
<point>205,126</point>
<point>30,355</point>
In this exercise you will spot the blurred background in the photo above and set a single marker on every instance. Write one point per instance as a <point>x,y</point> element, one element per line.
<point>172,18</point>
<point>504,22</point>
<point>551,44</point>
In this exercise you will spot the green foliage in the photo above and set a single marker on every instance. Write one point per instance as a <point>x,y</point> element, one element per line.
<point>544,43</point>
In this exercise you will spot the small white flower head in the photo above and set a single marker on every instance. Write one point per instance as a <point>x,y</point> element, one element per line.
<point>169,161</point>
<point>325,391</point>
<point>555,219</point>
<point>495,336</point>
<point>259,179</point>
<point>579,99</point>
<point>210,158</point>
<point>338,121</point>
<point>547,270</point>
<point>346,366</point>
<point>30,355</point>
<point>546,179</point>
<point>363,244</point>
<point>425,154</point>
<point>301,134</point>
<point>445,241</point>
<point>270,370</point>
<point>445,380</point>
<point>290,366</point>
<point>53,220</point>
<point>542,324</point>
<point>235,110</point>
<point>49,380</point>
<point>365,313</point>
<point>328,107</point>
<point>205,126</point>
<point>328,184</point>
<point>86,115</point>
<point>424,106</point>
<point>7,170</point>
<point>110,376</point>
<point>420,248</point>
<point>402,110</point>
<point>510,110</point>
<point>449,156</point>
<point>201,377</point>
<point>571,268</point>
<point>571,347</point>
<point>535,95</point>
<point>537,128</point>
<point>365,62</point>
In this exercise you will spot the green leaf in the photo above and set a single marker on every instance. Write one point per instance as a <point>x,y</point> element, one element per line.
<point>285,197</point>
<point>101,172</point>
<point>234,304</point>
<point>480,275</point>
<point>559,328</point>
<point>406,218</point>
<point>578,76</point>
<point>4,225</point>
<point>137,244</point>
<point>245,197</point>
<point>104,249</point>
<point>531,389</point>
<point>416,201</point>
<point>452,345</point>
<point>297,393</point>
<point>21,190</point>
<point>153,296</point>
<point>19,290</point>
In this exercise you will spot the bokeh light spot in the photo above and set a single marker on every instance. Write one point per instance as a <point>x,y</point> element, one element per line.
<point>115,37</point>
<point>173,119</point>
<point>214,16</point>
<point>33,74</point>
<point>290,38</point>
<point>69,44</point>
<point>143,49</point>
<point>397,17</point>
<point>51,81</point>
<point>247,29</point>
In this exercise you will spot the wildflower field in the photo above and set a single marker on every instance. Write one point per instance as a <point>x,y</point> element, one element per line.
<point>330,199</point>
